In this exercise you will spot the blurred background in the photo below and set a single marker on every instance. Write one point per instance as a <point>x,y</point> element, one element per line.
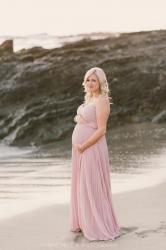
<point>45,49</point>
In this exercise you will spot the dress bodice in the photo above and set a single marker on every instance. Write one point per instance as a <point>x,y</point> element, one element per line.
<point>88,112</point>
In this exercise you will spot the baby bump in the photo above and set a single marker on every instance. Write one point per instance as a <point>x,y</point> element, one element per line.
<point>81,133</point>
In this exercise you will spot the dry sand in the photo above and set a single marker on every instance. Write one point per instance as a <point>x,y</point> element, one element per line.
<point>141,213</point>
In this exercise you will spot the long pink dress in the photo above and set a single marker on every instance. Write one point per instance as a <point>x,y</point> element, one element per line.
<point>91,208</point>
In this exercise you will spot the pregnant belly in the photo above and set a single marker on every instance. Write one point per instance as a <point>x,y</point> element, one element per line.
<point>81,133</point>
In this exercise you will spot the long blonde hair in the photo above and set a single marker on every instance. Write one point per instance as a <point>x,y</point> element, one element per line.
<point>104,86</point>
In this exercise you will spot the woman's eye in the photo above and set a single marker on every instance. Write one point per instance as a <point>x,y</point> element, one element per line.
<point>93,80</point>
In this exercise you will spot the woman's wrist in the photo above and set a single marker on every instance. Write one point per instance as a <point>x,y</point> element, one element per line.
<point>86,145</point>
<point>95,137</point>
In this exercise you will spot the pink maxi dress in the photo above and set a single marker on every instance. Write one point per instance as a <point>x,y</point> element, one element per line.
<point>91,209</point>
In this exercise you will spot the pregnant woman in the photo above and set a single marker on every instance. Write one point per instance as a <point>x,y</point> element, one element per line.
<point>91,207</point>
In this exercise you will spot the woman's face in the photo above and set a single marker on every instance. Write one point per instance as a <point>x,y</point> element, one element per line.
<point>92,84</point>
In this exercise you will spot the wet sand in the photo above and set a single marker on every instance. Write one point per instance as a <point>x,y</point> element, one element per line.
<point>141,215</point>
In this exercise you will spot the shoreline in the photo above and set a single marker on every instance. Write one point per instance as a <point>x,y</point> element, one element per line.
<point>141,215</point>
<point>120,184</point>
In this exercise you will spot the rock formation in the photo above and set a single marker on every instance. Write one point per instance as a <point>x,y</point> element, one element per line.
<point>6,47</point>
<point>41,88</point>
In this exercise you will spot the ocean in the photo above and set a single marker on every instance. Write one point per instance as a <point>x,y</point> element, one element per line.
<point>50,41</point>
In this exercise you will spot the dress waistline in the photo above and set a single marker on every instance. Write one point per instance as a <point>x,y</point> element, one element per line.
<point>89,124</point>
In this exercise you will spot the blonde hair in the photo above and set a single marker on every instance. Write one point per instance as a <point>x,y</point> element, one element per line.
<point>104,86</point>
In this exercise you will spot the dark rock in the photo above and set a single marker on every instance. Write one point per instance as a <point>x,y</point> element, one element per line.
<point>161,117</point>
<point>35,52</point>
<point>42,88</point>
<point>27,58</point>
<point>6,47</point>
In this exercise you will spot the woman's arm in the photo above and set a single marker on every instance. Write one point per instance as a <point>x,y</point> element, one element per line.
<point>102,114</point>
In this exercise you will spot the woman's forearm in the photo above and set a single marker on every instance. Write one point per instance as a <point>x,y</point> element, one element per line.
<point>94,138</point>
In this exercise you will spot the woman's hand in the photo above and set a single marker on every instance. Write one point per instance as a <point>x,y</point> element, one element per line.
<point>79,147</point>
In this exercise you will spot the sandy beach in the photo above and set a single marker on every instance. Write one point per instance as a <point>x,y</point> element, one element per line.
<point>141,215</point>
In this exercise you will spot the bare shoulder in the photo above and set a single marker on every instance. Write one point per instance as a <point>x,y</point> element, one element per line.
<point>103,103</point>
<point>103,100</point>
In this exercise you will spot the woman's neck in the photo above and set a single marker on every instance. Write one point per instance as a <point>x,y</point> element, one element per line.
<point>95,94</point>
<point>94,98</point>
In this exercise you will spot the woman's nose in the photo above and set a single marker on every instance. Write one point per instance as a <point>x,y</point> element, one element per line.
<point>90,83</point>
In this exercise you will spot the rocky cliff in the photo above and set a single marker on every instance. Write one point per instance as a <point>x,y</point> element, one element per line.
<point>40,89</point>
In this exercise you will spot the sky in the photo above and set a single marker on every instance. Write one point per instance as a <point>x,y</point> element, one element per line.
<point>71,17</point>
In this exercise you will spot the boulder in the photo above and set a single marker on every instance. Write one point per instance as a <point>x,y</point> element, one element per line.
<point>6,47</point>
